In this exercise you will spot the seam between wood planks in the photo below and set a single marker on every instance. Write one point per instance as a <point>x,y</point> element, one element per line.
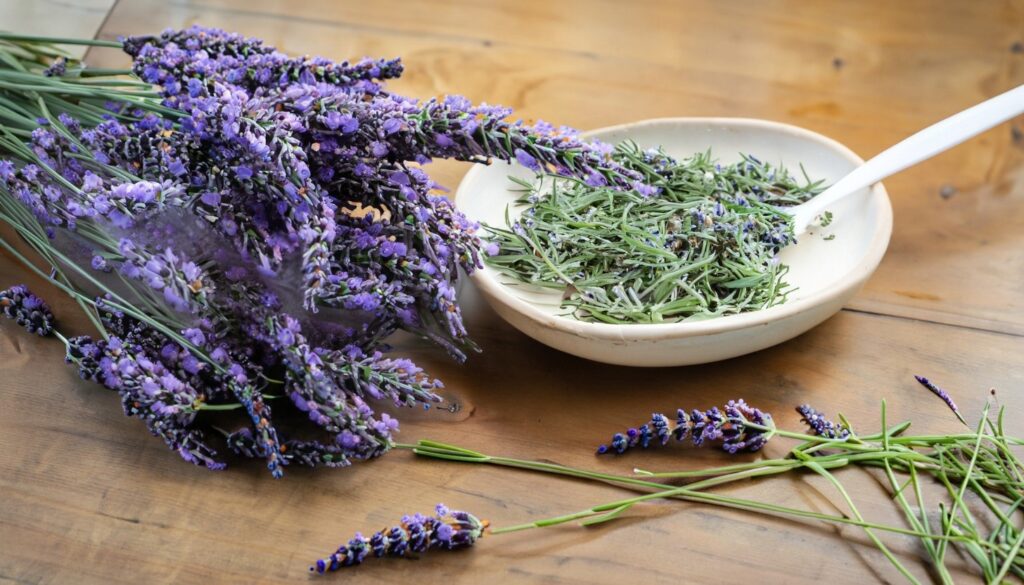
<point>934,322</point>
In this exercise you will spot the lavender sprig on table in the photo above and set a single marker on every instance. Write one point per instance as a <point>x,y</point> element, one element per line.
<point>738,426</point>
<point>446,530</point>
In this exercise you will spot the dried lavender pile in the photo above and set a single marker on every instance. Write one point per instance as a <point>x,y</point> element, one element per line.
<point>692,239</point>
<point>205,205</point>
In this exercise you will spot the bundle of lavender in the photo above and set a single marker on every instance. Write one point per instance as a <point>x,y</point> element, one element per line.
<point>204,205</point>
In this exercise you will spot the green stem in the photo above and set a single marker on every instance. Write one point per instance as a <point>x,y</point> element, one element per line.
<point>958,499</point>
<point>6,36</point>
<point>100,72</point>
<point>1010,557</point>
<point>689,493</point>
<point>814,466</point>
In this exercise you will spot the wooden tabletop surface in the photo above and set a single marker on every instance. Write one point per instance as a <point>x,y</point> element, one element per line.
<point>88,496</point>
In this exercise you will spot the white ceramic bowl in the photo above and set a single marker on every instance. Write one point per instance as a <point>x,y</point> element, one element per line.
<point>826,273</point>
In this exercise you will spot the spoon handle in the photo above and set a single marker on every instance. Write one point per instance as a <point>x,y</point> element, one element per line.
<point>921,146</point>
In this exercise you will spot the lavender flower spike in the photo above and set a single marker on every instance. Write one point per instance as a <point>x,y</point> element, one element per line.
<point>820,424</point>
<point>448,529</point>
<point>27,309</point>
<point>941,394</point>
<point>738,426</point>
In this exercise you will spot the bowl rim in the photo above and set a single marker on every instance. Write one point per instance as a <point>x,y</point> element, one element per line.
<point>486,278</point>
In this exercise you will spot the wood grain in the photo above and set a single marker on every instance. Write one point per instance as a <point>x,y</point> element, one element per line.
<point>90,497</point>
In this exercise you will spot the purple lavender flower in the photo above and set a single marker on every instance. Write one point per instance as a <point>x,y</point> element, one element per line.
<point>734,426</point>
<point>176,58</point>
<point>820,424</point>
<point>159,395</point>
<point>161,383</point>
<point>941,394</point>
<point>28,310</point>
<point>738,435</point>
<point>446,530</point>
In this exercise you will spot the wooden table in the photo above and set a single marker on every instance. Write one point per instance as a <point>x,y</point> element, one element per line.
<point>87,496</point>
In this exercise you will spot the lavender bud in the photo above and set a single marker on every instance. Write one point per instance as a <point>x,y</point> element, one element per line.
<point>941,394</point>
<point>820,425</point>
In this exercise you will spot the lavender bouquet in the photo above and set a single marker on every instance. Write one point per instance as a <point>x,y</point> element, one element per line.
<point>247,229</point>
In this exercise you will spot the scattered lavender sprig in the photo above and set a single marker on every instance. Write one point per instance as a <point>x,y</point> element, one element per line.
<point>941,394</point>
<point>738,426</point>
<point>28,310</point>
<point>447,530</point>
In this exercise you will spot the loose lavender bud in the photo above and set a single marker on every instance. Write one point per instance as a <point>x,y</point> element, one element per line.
<point>820,424</point>
<point>733,426</point>
<point>447,530</point>
<point>941,394</point>
<point>57,69</point>
<point>27,310</point>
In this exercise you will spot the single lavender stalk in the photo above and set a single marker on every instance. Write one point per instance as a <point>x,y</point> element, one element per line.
<point>941,394</point>
<point>820,424</point>
<point>739,426</point>
<point>449,530</point>
<point>28,310</point>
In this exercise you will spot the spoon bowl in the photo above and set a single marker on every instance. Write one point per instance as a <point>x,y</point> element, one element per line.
<point>828,265</point>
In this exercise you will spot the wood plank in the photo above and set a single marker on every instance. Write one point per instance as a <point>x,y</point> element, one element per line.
<point>904,65</point>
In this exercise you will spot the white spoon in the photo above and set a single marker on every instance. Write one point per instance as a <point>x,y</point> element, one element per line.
<point>919,147</point>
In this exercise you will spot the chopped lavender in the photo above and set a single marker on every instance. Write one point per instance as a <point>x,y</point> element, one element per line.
<point>820,424</point>
<point>941,394</point>
<point>738,426</point>
<point>447,530</point>
<point>28,310</point>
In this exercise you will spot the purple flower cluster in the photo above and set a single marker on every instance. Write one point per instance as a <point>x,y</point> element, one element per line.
<point>447,530</point>
<point>158,381</point>
<point>820,424</point>
<point>732,425</point>
<point>260,190</point>
<point>28,310</point>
